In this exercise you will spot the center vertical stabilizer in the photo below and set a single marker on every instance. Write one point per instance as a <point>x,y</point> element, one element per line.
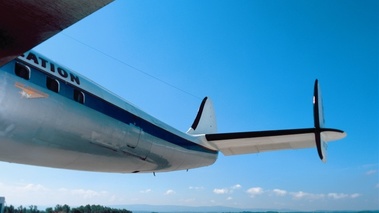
<point>205,121</point>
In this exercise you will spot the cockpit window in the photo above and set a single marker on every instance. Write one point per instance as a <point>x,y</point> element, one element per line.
<point>23,71</point>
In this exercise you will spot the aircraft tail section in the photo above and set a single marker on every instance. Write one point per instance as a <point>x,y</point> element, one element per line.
<point>205,121</point>
<point>236,143</point>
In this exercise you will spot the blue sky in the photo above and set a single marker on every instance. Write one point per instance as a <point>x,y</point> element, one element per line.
<point>257,60</point>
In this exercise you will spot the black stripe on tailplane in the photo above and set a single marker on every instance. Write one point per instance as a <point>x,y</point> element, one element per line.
<point>199,113</point>
<point>256,134</point>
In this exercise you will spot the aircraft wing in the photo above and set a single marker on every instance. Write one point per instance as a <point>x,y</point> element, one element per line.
<point>255,142</point>
<point>25,24</point>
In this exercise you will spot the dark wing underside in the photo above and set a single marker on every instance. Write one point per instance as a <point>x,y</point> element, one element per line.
<point>27,23</point>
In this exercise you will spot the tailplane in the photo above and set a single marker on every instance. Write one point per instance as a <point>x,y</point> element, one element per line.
<point>205,121</point>
<point>235,143</point>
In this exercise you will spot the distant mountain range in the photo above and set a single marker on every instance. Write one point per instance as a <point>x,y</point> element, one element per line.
<point>144,208</point>
<point>211,209</point>
<point>191,209</point>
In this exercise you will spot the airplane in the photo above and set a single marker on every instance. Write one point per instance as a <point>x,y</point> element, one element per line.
<point>54,117</point>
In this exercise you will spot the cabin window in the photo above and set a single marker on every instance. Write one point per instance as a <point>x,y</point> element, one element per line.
<point>22,71</point>
<point>79,96</point>
<point>52,84</point>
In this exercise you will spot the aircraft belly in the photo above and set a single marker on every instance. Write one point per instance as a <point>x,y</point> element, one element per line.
<point>171,157</point>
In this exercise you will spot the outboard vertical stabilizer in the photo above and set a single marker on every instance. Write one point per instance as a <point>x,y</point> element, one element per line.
<point>318,116</point>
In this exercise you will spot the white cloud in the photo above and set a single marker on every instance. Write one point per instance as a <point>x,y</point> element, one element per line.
<point>37,194</point>
<point>87,193</point>
<point>338,196</point>
<point>33,188</point>
<point>299,195</point>
<point>27,189</point>
<point>377,186</point>
<point>229,198</point>
<point>228,190</point>
<point>198,188</point>
<point>169,192</point>
<point>83,193</point>
<point>145,191</point>
<point>220,191</point>
<point>255,191</point>
<point>23,188</point>
<point>371,172</point>
<point>355,195</point>
<point>306,195</point>
<point>332,195</point>
<point>280,192</point>
<point>237,186</point>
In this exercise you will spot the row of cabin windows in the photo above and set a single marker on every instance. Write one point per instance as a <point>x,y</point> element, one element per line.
<point>52,84</point>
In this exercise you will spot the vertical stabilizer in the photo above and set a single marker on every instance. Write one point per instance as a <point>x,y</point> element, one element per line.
<point>318,108</point>
<point>205,121</point>
<point>318,116</point>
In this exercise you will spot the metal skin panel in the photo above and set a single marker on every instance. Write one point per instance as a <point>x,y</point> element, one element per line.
<point>54,131</point>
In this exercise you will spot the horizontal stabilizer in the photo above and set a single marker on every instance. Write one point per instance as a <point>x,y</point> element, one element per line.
<point>255,142</point>
<point>261,141</point>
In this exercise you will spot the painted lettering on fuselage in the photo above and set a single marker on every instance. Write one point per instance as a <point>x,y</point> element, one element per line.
<point>50,67</point>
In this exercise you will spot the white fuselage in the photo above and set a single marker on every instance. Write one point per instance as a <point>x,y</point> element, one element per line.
<point>51,116</point>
